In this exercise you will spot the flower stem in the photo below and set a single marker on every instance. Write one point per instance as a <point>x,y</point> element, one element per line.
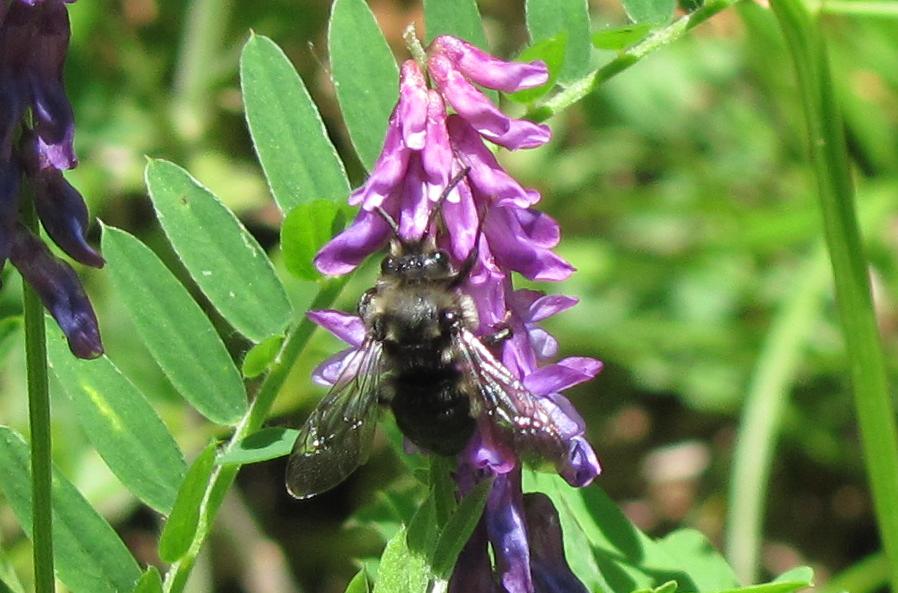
<point>224,475</point>
<point>761,418</point>
<point>201,46</point>
<point>39,419</point>
<point>875,410</point>
<point>658,39</point>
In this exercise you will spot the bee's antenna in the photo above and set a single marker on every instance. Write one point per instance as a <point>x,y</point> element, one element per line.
<point>391,222</point>
<point>437,208</point>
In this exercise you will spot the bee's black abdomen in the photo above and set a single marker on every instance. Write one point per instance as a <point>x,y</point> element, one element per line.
<point>431,410</point>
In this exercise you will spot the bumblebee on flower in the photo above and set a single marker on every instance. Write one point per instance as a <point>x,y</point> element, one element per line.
<point>474,361</point>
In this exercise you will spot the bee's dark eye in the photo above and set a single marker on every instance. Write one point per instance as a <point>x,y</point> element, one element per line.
<point>448,318</point>
<point>388,265</point>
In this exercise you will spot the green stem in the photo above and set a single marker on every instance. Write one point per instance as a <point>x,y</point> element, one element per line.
<point>201,47</point>
<point>883,9</point>
<point>252,421</point>
<point>39,420</point>
<point>658,39</point>
<point>875,409</point>
<point>761,418</point>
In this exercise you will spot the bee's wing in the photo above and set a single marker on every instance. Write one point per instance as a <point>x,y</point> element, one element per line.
<point>336,437</point>
<point>530,424</point>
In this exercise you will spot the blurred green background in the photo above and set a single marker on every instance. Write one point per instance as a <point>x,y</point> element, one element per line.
<point>686,202</point>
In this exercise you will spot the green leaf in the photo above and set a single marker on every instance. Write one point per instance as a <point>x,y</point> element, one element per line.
<point>260,356</point>
<point>185,516</point>
<point>548,18</point>
<point>89,555</point>
<point>177,333</point>
<point>365,76</point>
<point>9,329</point>
<point>268,443</point>
<point>120,423</point>
<point>460,18</point>
<point>401,570</point>
<point>150,581</point>
<point>707,568</point>
<point>459,529</point>
<point>305,230</point>
<point>224,260</point>
<point>800,577</point>
<point>550,51</point>
<point>359,583</point>
<point>656,12</point>
<point>619,38</point>
<point>297,156</point>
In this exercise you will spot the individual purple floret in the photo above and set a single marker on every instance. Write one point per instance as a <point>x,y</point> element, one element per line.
<point>436,177</point>
<point>34,40</point>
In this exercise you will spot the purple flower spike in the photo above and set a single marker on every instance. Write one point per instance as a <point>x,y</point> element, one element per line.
<point>489,71</point>
<point>60,291</point>
<point>550,570</point>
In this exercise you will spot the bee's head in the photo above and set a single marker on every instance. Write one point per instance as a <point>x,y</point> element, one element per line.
<point>416,262</point>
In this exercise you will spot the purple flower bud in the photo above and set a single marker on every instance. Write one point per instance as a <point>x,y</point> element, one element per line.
<point>367,233</point>
<point>348,328</point>
<point>548,566</point>
<point>59,289</point>
<point>507,530</point>
<point>64,215</point>
<point>490,71</point>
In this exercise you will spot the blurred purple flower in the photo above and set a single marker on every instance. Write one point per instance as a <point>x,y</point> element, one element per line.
<point>423,150</point>
<point>34,40</point>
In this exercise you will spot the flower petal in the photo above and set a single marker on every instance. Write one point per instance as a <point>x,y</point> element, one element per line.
<point>562,375</point>
<point>540,227</point>
<point>543,343</point>
<point>64,214</point>
<point>349,328</point>
<point>581,466</point>
<point>414,205</point>
<point>513,249</point>
<point>550,570</point>
<point>487,452</point>
<point>60,290</point>
<point>507,531</point>
<point>486,175</point>
<point>489,71</point>
<point>55,122</point>
<point>328,372</point>
<point>343,253</point>
<point>470,103</point>
<point>548,305</point>
<point>388,171</point>
<point>461,222</point>
<point>412,105</point>
<point>520,134</point>
<point>436,156</point>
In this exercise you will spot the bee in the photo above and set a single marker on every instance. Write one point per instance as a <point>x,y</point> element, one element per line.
<point>422,359</point>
